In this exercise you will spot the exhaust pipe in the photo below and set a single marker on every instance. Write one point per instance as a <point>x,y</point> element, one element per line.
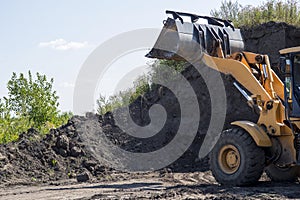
<point>181,40</point>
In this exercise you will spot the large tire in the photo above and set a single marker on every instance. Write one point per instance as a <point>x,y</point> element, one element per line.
<point>280,174</point>
<point>236,160</point>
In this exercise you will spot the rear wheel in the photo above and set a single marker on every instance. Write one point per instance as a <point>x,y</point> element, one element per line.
<point>236,159</point>
<point>282,174</point>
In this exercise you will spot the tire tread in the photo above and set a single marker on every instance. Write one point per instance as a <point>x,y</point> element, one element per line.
<point>254,159</point>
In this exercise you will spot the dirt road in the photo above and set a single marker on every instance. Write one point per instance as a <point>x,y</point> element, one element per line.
<point>152,185</point>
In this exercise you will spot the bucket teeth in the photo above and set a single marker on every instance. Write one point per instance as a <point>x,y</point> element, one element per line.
<point>181,40</point>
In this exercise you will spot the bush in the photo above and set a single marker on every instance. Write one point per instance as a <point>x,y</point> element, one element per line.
<point>272,10</point>
<point>30,104</point>
<point>140,86</point>
<point>123,98</point>
<point>160,70</point>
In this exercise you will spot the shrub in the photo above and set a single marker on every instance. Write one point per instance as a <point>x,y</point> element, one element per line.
<point>123,98</point>
<point>31,103</point>
<point>271,10</point>
<point>140,86</point>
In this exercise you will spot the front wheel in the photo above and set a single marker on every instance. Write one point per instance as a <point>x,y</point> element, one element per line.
<point>236,159</point>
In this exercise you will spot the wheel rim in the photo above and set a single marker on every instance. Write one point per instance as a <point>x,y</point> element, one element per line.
<point>229,159</point>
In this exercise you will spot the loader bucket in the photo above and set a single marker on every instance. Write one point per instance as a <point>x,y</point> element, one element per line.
<point>184,40</point>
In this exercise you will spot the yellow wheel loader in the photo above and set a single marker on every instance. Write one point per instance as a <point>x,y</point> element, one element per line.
<point>244,152</point>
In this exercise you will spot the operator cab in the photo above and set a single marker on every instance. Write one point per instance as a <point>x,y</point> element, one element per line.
<point>290,67</point>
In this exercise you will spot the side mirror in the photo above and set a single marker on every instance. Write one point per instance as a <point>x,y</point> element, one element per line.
<point>282,64</point>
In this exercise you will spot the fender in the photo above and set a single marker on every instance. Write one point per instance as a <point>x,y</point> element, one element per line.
<point>257,133</point>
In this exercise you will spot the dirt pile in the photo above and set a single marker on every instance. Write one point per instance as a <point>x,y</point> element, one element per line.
<point>58,155</point>
<point>139,110</point>
<point>269,38</point>
<point>63,153</point>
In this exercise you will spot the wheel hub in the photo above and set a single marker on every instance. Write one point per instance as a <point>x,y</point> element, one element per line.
<point>229,159</point>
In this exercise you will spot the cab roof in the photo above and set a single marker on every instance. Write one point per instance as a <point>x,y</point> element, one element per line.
<point>290,50</point>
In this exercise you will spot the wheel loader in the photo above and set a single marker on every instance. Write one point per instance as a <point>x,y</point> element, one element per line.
<point>248,148</point>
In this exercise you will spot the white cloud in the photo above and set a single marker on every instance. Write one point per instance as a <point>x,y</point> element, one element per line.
<point>61,44</point>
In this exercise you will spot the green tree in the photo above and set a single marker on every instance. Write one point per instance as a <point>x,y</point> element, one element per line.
<point>33,98</point>
<point>228,10</point>
<point>30,103</point>
<point>271,10</point>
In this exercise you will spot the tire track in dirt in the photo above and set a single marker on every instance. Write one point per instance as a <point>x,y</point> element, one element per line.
<point>153,185</point>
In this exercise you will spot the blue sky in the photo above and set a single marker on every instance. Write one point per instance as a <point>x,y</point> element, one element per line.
<point>55,37</point>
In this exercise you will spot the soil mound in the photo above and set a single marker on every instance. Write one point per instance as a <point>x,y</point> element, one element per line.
<point>59,154</point>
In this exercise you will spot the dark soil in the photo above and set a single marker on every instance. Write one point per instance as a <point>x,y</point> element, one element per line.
<point>56,156</point>
<point>269,38</point>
